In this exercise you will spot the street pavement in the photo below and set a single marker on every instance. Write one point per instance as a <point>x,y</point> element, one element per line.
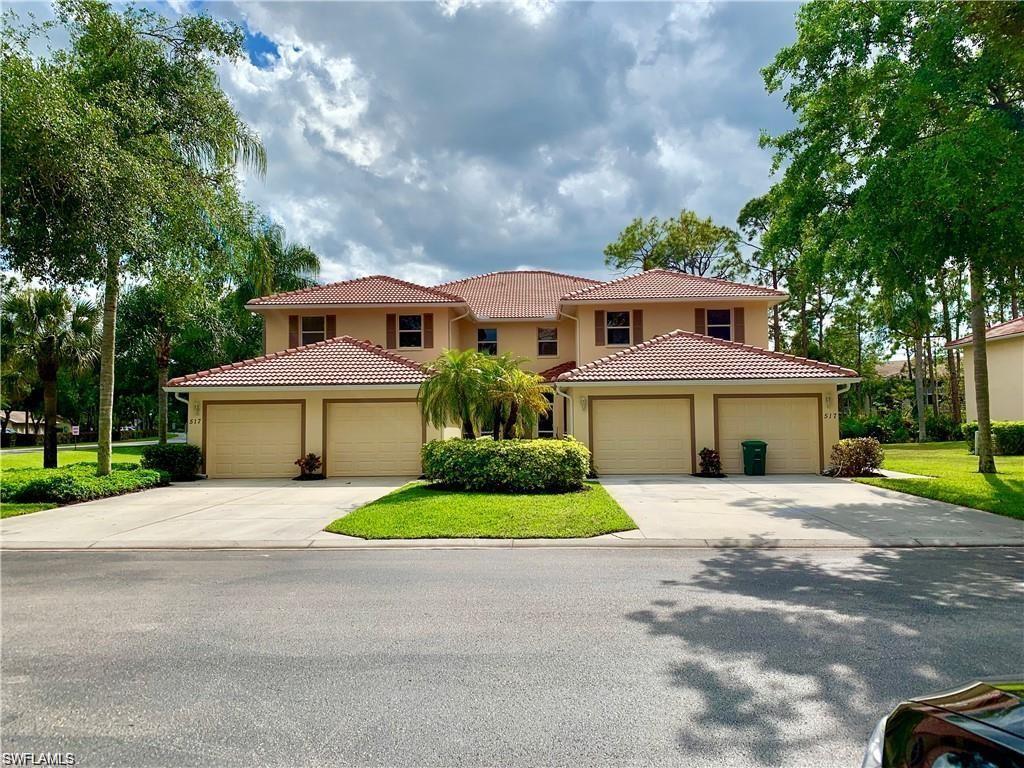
<point>731,657</point>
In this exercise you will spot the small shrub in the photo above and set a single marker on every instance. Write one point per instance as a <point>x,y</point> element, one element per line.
<point>179,460</point>
<point>76,482</point>
<point>710,463</point>
<point>507,466</point>
<point>856,457</point>
<point>1007,436</point>
<point>940,427</point>
<point>851,426</point>
<point>308,465</point>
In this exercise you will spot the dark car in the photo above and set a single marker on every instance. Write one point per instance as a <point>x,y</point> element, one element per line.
<point>980,725</point>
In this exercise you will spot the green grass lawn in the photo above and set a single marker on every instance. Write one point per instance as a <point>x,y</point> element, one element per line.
<point>130,454</point>
<point>13,510</point>
<point>417,511</point>
<point>954,477</point>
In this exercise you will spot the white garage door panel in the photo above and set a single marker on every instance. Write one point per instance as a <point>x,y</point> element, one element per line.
<point>789,425</point>
<point>374,439</point>
<point>641,436</point>
<point>253,440</point>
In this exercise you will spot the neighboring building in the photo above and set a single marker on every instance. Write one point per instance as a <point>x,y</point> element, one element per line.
<point>1005,351</point>
<point>648,369</point>
<point>900,369</point>
<point>23,423</point>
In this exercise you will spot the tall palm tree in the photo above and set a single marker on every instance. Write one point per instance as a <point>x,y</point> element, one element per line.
<point>51,329</point>
<point>455,391</point>
<point>271,263</point>
<point>522,396</point>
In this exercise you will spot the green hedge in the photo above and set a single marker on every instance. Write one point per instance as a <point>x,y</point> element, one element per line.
<point>507,466</point>
<point>1007,435</point>
<point>75,482</point>
<point>180,460</point>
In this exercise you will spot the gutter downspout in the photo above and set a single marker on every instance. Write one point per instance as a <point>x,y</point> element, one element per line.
<point>841,388</point>
<point>577,333</point>
<point>570,427</point>
<point>451,324</point>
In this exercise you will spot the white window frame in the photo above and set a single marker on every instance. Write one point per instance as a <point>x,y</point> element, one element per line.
<point>303,332</point>
<point>479,342</point>
<point>708,325</point>
<point>399,332</point>
<point>608,328</point>
<point>547,341</point>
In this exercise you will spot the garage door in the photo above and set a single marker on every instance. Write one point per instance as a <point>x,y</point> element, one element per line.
<point>790,426</point>
<point>373,439</point>
<point>253,439</point>
<point>641,436</point>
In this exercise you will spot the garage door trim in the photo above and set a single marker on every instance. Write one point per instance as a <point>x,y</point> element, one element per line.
<point>814,395</point>
<point>326,420</point>
<point>302,417</point>
<point>693,419</point>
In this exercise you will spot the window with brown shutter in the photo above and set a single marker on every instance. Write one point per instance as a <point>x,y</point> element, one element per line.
<point>391,335</point>
<point>638,326</point>
<point>332,326</point>
<point>738,329</point>
<point>599,329</point>
<point>428,330</point>
<point>719,324</point>
<point>699,322</point>
<point>293,331</point>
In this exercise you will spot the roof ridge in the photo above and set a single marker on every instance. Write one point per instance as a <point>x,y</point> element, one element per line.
<point>987,329</point>
<point>319,286</point>
<point>343,339</point>
<point>514,271</point>
<point>654,341</point>
<point>626,278</point>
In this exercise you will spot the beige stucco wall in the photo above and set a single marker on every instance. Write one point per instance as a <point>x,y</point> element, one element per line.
<point>520,339</point>
<point>703,406</point>
<point>363,324</point>
<point>660,318</point>
<point>1005,379</point>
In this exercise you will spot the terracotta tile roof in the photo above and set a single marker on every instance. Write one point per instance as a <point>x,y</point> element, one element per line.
<point>342,360</point>
<point>555,371</point>
<point>1009,328</point>
<point>668,284</point>
<point>375,289</point>
<point>686,356</point>
<point>516,294</point>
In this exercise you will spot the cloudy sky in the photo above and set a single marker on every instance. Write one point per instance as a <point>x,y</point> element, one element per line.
<point>435,140</point>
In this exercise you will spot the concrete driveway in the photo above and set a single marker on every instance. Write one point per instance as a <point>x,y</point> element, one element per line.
<point>207,513</point>
<point>798,510</point>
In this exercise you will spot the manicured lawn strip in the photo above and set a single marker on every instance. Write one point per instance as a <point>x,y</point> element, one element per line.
<point>128,454</point>
<point>418,511</point>
<point>955,478</point>
<point>13,510</point>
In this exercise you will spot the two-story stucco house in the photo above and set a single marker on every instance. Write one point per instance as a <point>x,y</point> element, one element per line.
<point>647,370</point>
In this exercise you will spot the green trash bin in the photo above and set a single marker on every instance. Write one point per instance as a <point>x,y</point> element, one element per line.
<point>755,453</point>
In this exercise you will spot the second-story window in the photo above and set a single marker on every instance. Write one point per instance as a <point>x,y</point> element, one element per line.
<point>314,329</point>
<point>617,328</point>
<point>487,341</point>
<point>410,331</point>
<point>720,324</point>
<point>547,342</point>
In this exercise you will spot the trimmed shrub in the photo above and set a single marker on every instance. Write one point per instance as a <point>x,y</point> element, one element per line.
<point>856,457</point>
<point>940,427</point>
<point>76,482</point>
<point>1007,436</point>
<point>507,466</point>
<point>179,460</point>
<point>710,463</point>
<point>893,427</point>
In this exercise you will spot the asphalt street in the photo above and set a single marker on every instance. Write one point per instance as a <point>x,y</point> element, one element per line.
<point>735,657</point>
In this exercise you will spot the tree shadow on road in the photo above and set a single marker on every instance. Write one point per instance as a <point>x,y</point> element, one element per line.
<point>781,652</point>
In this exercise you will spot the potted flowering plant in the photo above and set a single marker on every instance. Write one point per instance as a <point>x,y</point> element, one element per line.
<point>710,463</point>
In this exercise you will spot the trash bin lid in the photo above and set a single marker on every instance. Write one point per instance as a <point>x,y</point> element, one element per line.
<point>754,444</point>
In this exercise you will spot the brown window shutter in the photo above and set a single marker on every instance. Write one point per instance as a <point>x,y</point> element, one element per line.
<point>391,337</point>
<point>638,326</point>
<point>428,330</point>
<point>331,323</point>
<point>599,337</point>
<point>700,324</point>
<point>738,329</point>
<point>293,331</point>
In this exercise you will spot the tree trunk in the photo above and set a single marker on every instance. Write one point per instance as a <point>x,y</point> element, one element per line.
<point>776,314</point>
<point>986,462</point>
<point>111,288</point>
<point>931,378</point>
<point>951,367</point>
<point>6,420</point>
<point>510,423</point>
<point>163,360</point>
<point>497,423</point>
<point>467,429</point>
<point>919,369</point>
<point>50,417</point>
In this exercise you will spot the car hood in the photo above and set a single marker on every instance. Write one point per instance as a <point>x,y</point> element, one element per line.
<point>995,703</point>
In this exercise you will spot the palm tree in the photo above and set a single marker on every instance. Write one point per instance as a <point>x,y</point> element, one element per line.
<point>271,264</point>
<point>54,331</point>
<point>455,391</point>
<point>522,397</point>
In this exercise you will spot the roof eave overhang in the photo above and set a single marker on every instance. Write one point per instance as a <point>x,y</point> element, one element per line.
<point>709,382</point>
<point>358,305</point>
<point>618,300</point>
<point>970,342</point>
<point>284,387</point>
